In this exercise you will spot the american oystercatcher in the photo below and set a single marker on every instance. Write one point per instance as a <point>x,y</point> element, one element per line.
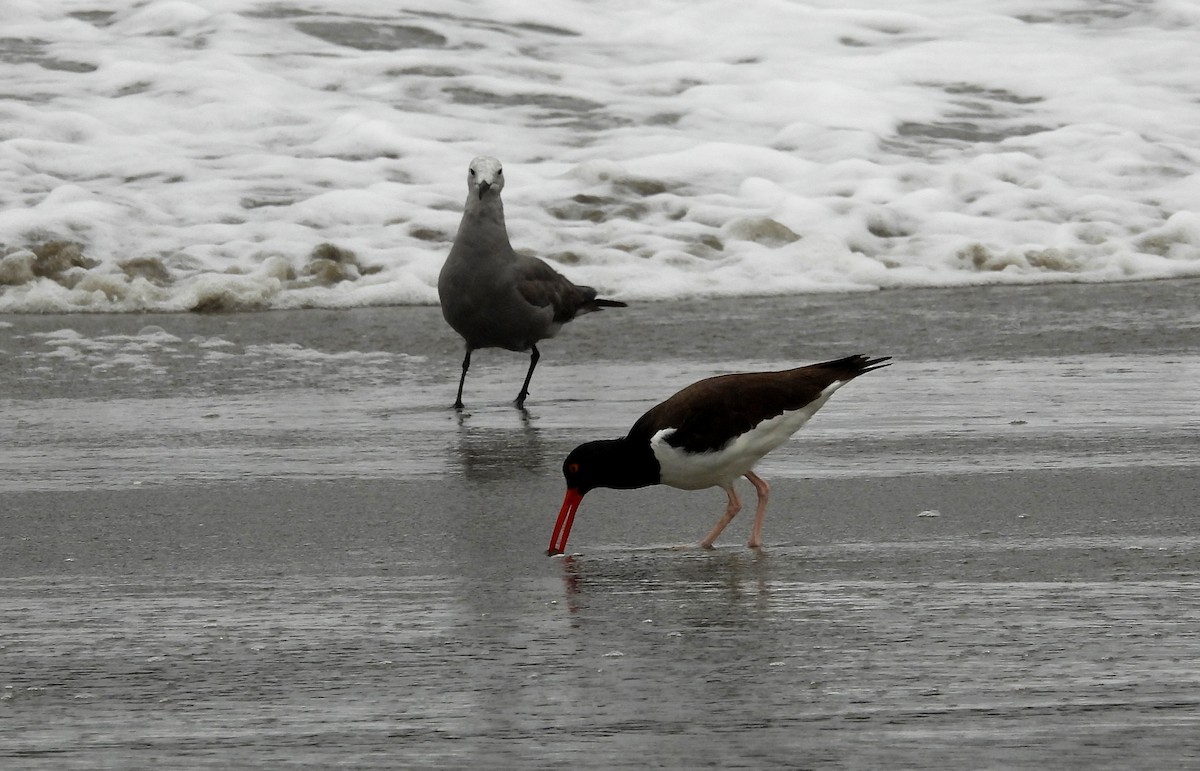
<point>496,298</point>
<point>707,435</point>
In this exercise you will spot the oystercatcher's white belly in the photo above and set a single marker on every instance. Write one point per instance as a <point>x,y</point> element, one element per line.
<point>694,471</point>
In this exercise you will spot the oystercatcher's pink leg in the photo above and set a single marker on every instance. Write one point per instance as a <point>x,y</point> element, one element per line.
<point>764,490</point>
<point>735,505</point>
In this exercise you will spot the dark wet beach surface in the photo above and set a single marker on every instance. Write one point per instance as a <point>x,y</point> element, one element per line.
<point>265,540</point>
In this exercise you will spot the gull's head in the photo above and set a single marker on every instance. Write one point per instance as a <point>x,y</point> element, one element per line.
<point>485,175</point>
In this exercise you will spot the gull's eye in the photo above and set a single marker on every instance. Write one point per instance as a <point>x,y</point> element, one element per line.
<point>573,468</point>
<point>472,172</point>
<point>499,172</point>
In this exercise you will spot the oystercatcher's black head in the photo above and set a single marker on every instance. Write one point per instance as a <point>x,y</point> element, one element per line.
<point>617,463</point>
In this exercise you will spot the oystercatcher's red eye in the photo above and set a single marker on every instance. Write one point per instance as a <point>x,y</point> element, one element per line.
<point>573,468</point>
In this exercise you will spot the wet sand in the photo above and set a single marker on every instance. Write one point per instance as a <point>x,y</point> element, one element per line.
<point>265,540</point>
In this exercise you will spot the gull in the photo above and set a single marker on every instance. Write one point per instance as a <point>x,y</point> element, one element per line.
<point>496,298</point>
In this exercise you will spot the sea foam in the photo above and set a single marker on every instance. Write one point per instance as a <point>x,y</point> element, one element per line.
<point>227,155</point>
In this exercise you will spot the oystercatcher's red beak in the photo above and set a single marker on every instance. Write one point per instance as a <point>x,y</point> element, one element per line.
<point>566,517</point>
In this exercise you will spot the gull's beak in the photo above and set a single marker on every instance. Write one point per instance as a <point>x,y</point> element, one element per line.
<point>566,517</point>
<point>483,188</point>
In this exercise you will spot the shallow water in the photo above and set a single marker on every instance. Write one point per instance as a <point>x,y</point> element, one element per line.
<point>984,379</point>
<point>263,540</point>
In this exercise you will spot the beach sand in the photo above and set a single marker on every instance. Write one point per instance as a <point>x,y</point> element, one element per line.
<point>266,539</point>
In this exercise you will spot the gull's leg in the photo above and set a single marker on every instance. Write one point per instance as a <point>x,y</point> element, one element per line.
<point>458,405</point>
<point>533,360</point>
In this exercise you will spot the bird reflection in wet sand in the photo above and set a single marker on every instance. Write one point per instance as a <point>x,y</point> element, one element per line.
<point>743,576</point>
<point>492,454</point>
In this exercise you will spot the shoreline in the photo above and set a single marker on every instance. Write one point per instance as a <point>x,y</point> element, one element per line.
<point>266,539</point>
<point>284,528</point>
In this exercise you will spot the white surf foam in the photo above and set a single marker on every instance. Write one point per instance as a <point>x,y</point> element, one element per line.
<point>229,155</point>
